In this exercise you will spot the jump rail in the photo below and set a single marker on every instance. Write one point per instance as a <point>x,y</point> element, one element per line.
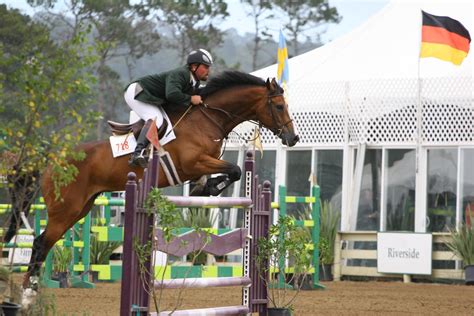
<point>138,225</point>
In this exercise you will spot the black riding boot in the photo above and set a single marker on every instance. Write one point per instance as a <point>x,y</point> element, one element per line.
<point>138,158</point>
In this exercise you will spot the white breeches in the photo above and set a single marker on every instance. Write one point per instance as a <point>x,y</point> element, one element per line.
<point>144,110</point>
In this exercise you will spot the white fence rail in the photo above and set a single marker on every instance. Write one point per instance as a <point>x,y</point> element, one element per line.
<point>343,252</point>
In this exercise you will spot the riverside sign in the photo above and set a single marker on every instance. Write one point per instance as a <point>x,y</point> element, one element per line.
<point>404,253</point>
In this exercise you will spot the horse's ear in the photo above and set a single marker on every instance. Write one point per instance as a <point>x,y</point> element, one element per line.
<point>271,85</point>
<point>268,84</point>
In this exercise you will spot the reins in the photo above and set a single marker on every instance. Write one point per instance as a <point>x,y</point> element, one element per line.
<point>231,116</point>
<point>180,119</point>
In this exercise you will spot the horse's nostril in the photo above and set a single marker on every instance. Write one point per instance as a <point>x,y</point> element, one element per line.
<point>297,138</point>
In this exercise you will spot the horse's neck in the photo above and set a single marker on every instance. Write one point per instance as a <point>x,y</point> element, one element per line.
<point>241,107</point>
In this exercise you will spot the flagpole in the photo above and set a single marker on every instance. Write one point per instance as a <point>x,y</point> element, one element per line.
<point>420,201</point>
<point>418,104</point>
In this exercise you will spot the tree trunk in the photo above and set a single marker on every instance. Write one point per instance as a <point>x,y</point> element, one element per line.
<point>100,104</point>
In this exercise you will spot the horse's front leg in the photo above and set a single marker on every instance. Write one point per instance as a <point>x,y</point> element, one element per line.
<point>208,165</point>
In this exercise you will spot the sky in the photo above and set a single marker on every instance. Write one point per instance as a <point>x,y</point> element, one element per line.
<point>353,12</point>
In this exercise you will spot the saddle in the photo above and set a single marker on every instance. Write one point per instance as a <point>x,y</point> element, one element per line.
<point>135,128</point>
<point>119,129</point>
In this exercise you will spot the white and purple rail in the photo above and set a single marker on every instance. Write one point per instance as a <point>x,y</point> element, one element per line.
<point>257,207</point>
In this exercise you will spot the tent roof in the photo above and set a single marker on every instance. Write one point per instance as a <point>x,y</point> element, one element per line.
<point>385,47</point>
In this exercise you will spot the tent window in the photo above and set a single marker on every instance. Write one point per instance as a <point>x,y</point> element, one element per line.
<point>368,215</point>
<point>265,167</point>
<point>467,185</point>
<point>298,170</point>
<point>441,185</point>
<point>399,192</point>
<point>328,167</point>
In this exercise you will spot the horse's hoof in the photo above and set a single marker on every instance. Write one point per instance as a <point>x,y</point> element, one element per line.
<point>27,298</point>
<point>215,192</point>
<point>31,282</point>
<point>215,186</point>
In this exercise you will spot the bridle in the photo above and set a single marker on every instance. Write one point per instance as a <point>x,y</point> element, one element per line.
<point>275,120</point>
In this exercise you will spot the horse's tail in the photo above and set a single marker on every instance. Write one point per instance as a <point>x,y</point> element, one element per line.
<point>23,188</point>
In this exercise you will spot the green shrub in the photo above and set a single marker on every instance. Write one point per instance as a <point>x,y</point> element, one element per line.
<point>462,243</point>
<point>328,230</point>
<point>62,257</point>
<point>102,250</point>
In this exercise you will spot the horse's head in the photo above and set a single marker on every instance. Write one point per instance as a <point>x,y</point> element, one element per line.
<point>269,106</point>
<point>275,115</point>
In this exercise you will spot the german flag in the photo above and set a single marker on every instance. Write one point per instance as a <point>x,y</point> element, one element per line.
<point>444,38</point>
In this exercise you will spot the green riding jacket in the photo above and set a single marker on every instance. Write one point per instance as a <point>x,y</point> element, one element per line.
<point>171,88</point>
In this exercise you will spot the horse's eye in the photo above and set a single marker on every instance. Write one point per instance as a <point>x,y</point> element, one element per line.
<point>279,107</point>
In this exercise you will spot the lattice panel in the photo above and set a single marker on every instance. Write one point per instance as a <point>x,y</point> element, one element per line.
<point>398,126</point>
<point>320,111</point>
<point>448,115</point>
<point>380,112</point>
<point>320,127</point>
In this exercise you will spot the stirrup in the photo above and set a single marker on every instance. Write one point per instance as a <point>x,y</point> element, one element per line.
<point>138,160</point>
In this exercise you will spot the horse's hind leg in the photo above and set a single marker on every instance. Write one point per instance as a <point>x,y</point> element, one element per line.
<point>35,264</point>
<point>58,224</point>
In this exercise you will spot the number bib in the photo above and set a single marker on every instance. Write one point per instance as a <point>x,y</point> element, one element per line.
<point>123,144</point>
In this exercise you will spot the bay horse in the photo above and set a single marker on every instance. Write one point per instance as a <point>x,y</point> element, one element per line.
<point>229,99</point>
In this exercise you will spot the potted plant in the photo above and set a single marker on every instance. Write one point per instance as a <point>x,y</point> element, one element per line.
<point>62,257</point>
<point>100,252</point>
<point>461,244</point>
<point>329,224</point>
<point>325,259</point>
<point>303,215</point>
<point>284,246</point>
<point>7,305</point>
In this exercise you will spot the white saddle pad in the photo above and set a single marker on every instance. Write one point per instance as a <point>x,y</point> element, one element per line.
<point>169,134</point>
<point>125,144</point>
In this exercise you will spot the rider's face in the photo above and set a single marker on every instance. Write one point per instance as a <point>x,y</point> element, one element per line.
<point>202,72</point>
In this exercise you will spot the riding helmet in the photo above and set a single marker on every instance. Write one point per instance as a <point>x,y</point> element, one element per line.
<point>200,56</point>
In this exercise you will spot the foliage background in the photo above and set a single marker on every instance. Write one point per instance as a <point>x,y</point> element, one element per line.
<point>64,69</point>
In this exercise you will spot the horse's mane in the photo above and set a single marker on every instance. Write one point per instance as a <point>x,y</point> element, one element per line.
<point>229,79</point>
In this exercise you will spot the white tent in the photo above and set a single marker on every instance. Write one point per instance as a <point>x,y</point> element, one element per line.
<point>371,84</point>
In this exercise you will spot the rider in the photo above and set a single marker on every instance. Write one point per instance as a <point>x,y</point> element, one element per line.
<point>176,88</point>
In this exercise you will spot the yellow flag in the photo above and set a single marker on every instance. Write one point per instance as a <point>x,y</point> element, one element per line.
<point>257,141</point>
<point>283,72</point>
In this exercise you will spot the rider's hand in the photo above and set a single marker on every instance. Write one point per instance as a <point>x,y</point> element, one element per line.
<point>196,100</point>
